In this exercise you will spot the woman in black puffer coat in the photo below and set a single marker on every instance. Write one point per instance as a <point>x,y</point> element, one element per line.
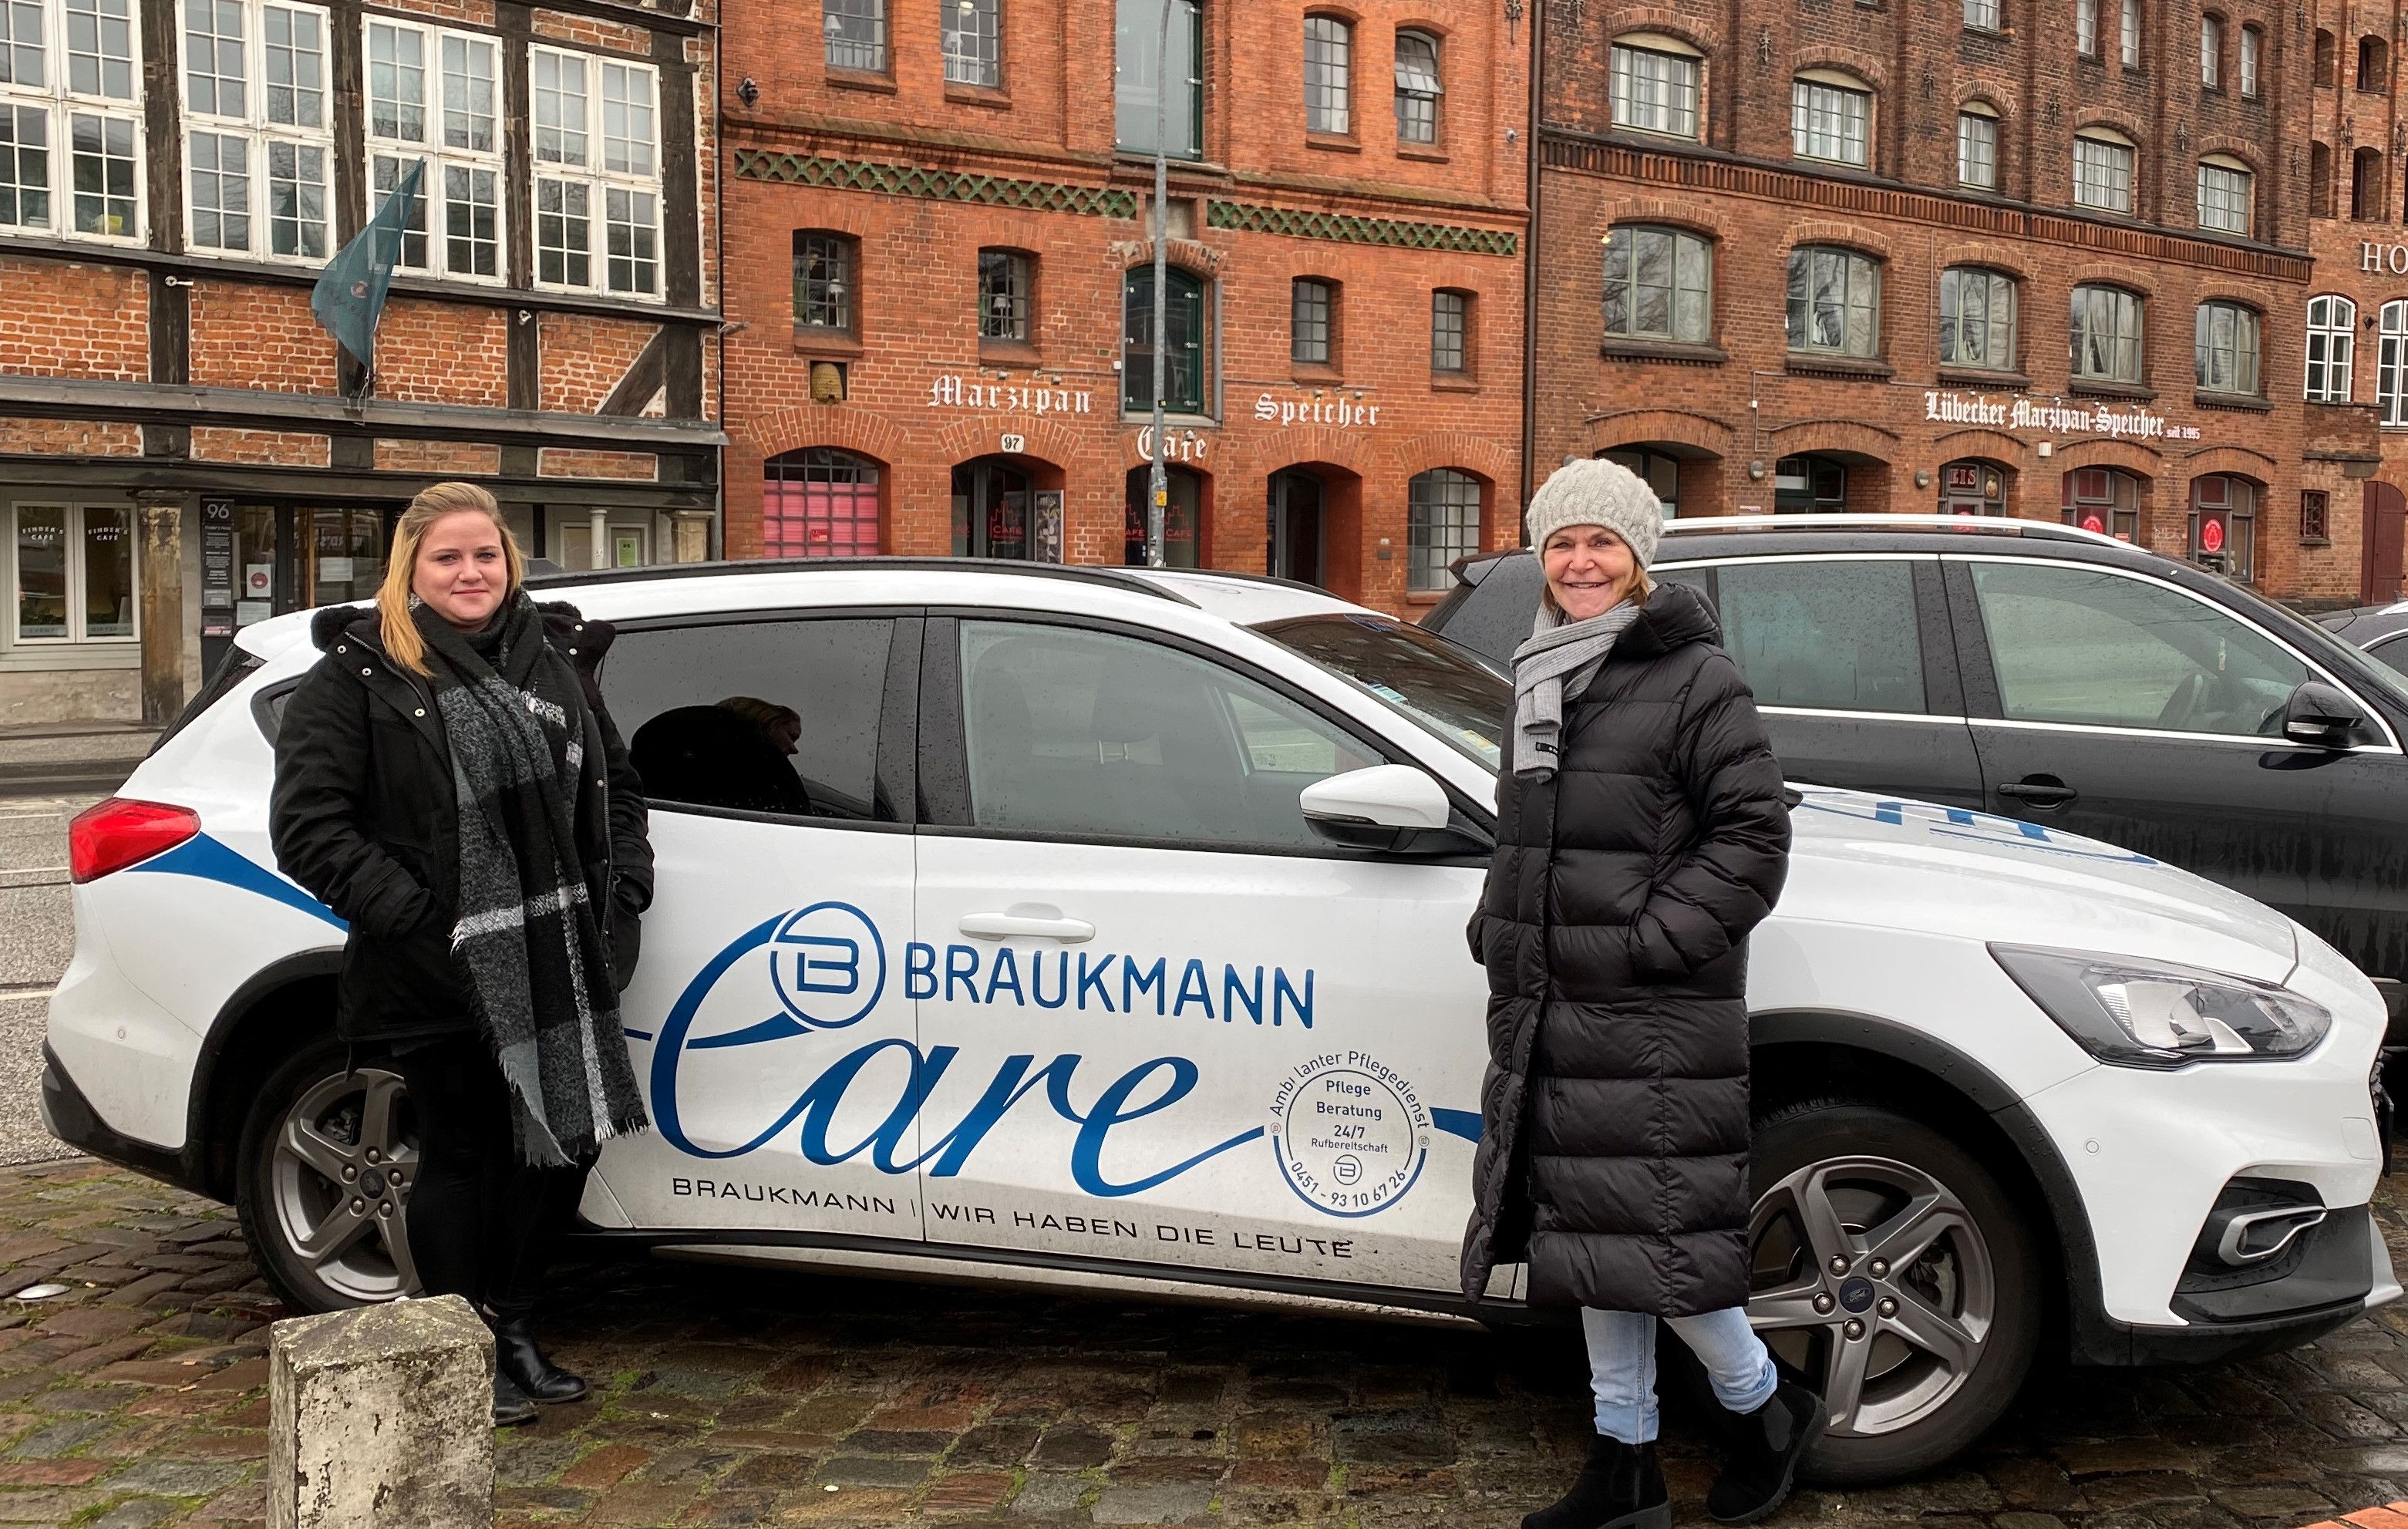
<point>1642,834</point>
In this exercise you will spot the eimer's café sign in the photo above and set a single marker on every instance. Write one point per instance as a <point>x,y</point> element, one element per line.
<point>2024,415</point>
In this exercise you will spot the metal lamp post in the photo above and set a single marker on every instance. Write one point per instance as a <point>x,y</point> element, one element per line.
<point>1158,479</point>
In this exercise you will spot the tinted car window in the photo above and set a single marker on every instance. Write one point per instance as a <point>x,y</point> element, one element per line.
<point>1085,732</point>
<point>1492,618</point>
<point>2072,645</point>
<point>1838,636</point>
<point>1436,685</point>
<point>764,716</point>
<point>2392,655</point>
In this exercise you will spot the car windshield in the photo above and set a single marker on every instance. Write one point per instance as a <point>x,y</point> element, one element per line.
<point>1437,684</point>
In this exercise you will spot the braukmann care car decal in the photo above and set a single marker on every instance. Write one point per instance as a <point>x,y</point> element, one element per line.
<point>1348,1135</point>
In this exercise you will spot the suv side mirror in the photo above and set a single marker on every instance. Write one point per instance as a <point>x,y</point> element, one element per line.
<point>1391,807</point>
<point>2322,717</point>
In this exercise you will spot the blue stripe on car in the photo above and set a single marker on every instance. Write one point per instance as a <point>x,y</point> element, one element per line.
<point>212,861</point>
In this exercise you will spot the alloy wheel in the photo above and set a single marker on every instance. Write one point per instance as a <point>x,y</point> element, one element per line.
<point>1872,1279</point>
<point>339,1178</point>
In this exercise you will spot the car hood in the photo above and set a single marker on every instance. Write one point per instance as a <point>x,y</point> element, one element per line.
<point>1859,858</point>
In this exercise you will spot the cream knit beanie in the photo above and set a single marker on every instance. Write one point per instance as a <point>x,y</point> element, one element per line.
<point>1591,491</point>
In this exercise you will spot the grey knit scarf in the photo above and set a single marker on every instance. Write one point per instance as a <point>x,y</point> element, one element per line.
<point>1560,658</point>
<point>528,934</point>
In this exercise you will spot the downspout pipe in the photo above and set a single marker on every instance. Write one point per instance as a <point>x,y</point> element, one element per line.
<point>1530,261</point>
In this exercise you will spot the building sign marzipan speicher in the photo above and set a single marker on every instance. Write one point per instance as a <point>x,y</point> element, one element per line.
<point>2051,418</point>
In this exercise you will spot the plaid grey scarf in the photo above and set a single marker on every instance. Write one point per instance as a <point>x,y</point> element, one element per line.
<point>529,935</point>
<point>1559,659</point>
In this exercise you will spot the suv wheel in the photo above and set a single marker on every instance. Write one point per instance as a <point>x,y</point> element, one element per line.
<point>328,1153</point>
<point>1891,1270</point>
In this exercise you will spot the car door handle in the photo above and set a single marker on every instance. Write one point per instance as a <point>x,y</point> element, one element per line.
<point>1023,919</point>
<point>2040,792</point>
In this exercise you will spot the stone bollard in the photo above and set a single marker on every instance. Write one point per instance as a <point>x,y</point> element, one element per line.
<point>383,1416</point>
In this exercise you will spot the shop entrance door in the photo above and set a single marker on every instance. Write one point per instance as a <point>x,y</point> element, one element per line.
<point>991,511</point>
<point>1296,527</point>
<point>2387,529</point>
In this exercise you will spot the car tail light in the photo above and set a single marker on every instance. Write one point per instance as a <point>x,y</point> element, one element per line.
<point>116,832</point>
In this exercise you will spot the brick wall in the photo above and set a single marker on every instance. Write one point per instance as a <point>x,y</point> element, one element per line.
<point>69,437</point>
<point>563,461</point>
<point>270,448</point>
<point>443,353</point>
<point>438,458</point>
<point>582,358</point>
<point>257,337</point>
<point>74,320</point>
<point>586,32</point>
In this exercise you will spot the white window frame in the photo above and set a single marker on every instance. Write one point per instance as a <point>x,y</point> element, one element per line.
<point>56,106</point>
<point>2130,33</point>
<point>1328,74</point>
<point>261,136</point>
<point>1982,15</point>
<point>606,187</point>
<point>1658,85</point>
<point>2252,42</point>
<point>2391,366</point>
<point>2211,52</point>
<point>2227,192</point>
<point>430,145</point>
<point>2121,160</point>
<point>2085,28</point>
<point>1819,98</point>
<point>1967,115</point>
<point>2331,349</point>
<point>77,615</point>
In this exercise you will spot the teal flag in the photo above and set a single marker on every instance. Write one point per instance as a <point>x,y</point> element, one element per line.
<point>349,296</point>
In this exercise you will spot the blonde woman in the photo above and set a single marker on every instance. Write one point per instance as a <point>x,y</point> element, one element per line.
<point>448,781</point>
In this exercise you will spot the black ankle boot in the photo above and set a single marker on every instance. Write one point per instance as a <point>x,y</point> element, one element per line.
<point>1765,1446</point>
<point>1620,1487</point>
<point>516,1356</point>
<point>510,1404</point>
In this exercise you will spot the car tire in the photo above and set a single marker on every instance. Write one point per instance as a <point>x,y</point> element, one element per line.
<point>323,1175</point>
<point>1946,1341</point>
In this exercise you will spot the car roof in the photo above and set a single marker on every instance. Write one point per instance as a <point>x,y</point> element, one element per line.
<point>2366,624</point>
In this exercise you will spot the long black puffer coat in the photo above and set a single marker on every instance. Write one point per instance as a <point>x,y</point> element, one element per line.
<point>1613,1155</point>
<point>364,817</point>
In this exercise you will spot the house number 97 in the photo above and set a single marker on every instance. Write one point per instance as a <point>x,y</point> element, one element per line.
<point>1013,445</point>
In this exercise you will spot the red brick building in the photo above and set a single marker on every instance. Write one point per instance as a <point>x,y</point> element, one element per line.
<point>940,286</point>
<point>2026,257</point>
<point>184,451</point>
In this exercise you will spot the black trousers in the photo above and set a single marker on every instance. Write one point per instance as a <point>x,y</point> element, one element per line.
<point>482,1223</point>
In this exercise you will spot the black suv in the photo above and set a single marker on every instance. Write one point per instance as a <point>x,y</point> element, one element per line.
<point>2057,676</point>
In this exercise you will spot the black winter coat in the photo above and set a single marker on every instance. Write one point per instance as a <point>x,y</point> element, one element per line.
<point>1614,1153</point>
<point>363,817</point>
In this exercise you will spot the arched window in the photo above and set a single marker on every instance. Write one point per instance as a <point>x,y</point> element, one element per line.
<point>1658,285</point>
<point>819,503</point>
<point>1418,88</point>
<point>2224,194</point>
<point>1977,319</point>
<point>2227,347</point>
<point>2391,366</point>
<point>2367,192</point>
<point>2102,169</point>
<point>2104,500</point>
<point>2325,54</point>
<point>2252,53</point>
<point>1139,80</point>
<point>2211,52</point>
<point>1442,525</point>
<point>1328,75</point>
<point>2332,339</point>
<point>2320,187</point>
<point>1830,117</point>
<point>2373,64</point>
<point>1660,472</point>
<point>1977,146</point>
<point>1187,362</point>
<point>1655,83</point>
<point>2106,335</point>
<point>1834,301</point>
<point>2224,525</point>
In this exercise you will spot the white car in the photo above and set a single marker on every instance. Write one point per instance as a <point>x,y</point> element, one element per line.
<point>1106,931</point>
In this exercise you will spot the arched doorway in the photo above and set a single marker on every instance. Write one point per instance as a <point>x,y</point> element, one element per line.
<point>998,513</point>
<point>819,503</point>
<point>1812,484</point>
<point>2224,525</point>
<point>2102,499</point>
<point>1297,535</point>
<point>1972,487</point>
<point>2383,531</point>
<point>1183,517</point>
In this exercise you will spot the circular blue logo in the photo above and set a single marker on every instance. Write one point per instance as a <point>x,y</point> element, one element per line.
<point>1350,1138</point>
<point>827,965</point>
<point>1857,1293</point>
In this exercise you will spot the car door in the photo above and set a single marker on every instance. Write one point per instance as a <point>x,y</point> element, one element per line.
<point>1164,1024</point>
<point>767,1017</point>
<point>2122,706</point>
<point>1853,667</point>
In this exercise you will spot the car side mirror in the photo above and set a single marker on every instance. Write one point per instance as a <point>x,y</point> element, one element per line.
<point>2322,717</point>
<point>1395,809</point>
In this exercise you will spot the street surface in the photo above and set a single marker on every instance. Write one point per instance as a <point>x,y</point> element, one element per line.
<point>727,1397</point>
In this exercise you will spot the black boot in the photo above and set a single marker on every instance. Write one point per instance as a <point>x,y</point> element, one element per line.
<point>510,1404</point>
<point>1765,1446</point>
<point>516,1356</point>
<point>1620,1487</point>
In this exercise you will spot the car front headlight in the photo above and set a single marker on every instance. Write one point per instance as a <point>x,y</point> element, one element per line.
<point>2152,1014</point>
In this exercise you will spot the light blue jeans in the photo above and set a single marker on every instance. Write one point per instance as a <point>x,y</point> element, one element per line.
<point>1622,1366</point>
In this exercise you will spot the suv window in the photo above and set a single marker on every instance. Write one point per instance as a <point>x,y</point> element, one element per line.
<point>2076,645</point>
<point>764,716</point>
<point>1837,636</point>
<point>1069,730</point>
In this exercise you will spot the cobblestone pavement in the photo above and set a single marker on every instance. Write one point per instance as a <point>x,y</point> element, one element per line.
<point>733,1396</point>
